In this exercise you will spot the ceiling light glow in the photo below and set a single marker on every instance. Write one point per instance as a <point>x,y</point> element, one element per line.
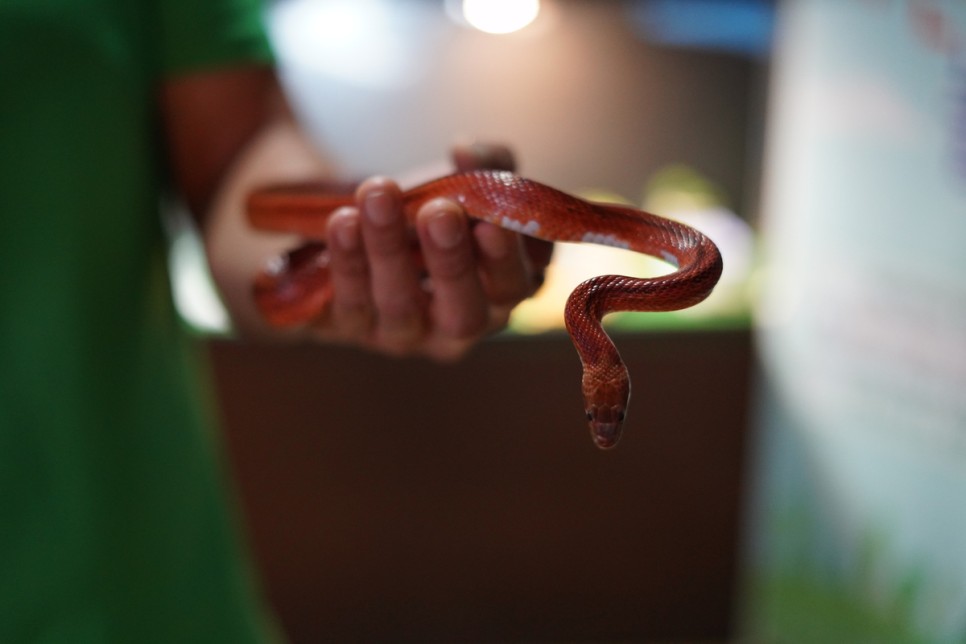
<point>500,16</point>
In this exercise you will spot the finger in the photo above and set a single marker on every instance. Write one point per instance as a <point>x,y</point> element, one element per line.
<point>539,253</point>
<point>351,306</point>
<point>459,305</point>
<point>396,294</point>
<point>475,156</point>
<point>505,270</point>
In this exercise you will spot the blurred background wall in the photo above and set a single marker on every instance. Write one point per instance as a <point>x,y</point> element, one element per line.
<point>584,96</point>
<point>400,500</point>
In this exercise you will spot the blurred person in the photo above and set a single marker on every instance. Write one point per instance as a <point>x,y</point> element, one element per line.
<point>116,524</point>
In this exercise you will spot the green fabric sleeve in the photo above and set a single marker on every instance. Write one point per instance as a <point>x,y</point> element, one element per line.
<point>203,34</point>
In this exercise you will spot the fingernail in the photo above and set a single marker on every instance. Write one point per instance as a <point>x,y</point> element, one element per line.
<point>380,207</point>
<point>346,229</point>
<point>494,157</point>
<point>445,228</point>
<point>481,151</point>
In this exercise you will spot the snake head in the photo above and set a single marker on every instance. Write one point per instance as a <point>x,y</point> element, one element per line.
<point>606,424</point>
<point>606,405</point>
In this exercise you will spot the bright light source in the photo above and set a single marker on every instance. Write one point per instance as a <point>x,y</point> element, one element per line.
<point>500,16</point>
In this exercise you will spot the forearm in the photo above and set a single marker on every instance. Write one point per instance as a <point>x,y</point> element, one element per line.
<point>227,132</point>
<point>278,152</point>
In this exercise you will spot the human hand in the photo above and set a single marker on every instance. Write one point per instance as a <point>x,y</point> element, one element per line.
<point>467,283</point>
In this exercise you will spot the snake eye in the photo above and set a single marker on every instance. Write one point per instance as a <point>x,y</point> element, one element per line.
<point>620,416</point>
<point>590,416</point>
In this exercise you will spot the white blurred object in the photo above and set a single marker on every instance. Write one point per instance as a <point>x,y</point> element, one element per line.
<point>736,241</point>
<point>500,16</point>
<point>364,43</point>
<point>195,297</point>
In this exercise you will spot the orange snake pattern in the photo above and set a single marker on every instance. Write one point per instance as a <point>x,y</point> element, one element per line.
<point>295,290</point>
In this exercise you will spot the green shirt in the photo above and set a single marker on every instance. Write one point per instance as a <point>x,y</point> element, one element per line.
<point>115,524</point>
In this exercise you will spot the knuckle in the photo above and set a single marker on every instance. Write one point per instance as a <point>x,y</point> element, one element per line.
<point>466,324</point>
<point>354,321</point>
<point>391,243</point>
<point>400,321</point>
<point>509,290</point>
<point>352,266</point>
<point>397,306</point>
<point>450,266</point>
<point>450,352</point>
<point>401,340</point>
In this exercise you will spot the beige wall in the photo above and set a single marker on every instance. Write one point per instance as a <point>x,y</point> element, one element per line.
<point>585,102</point>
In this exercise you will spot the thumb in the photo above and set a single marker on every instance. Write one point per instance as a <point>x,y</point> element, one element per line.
<point>482,156</point>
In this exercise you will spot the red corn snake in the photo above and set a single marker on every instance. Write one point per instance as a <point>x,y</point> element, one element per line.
<point>296,290</point>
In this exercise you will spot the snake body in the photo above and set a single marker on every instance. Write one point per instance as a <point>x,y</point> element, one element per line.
<point>296,290</point>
